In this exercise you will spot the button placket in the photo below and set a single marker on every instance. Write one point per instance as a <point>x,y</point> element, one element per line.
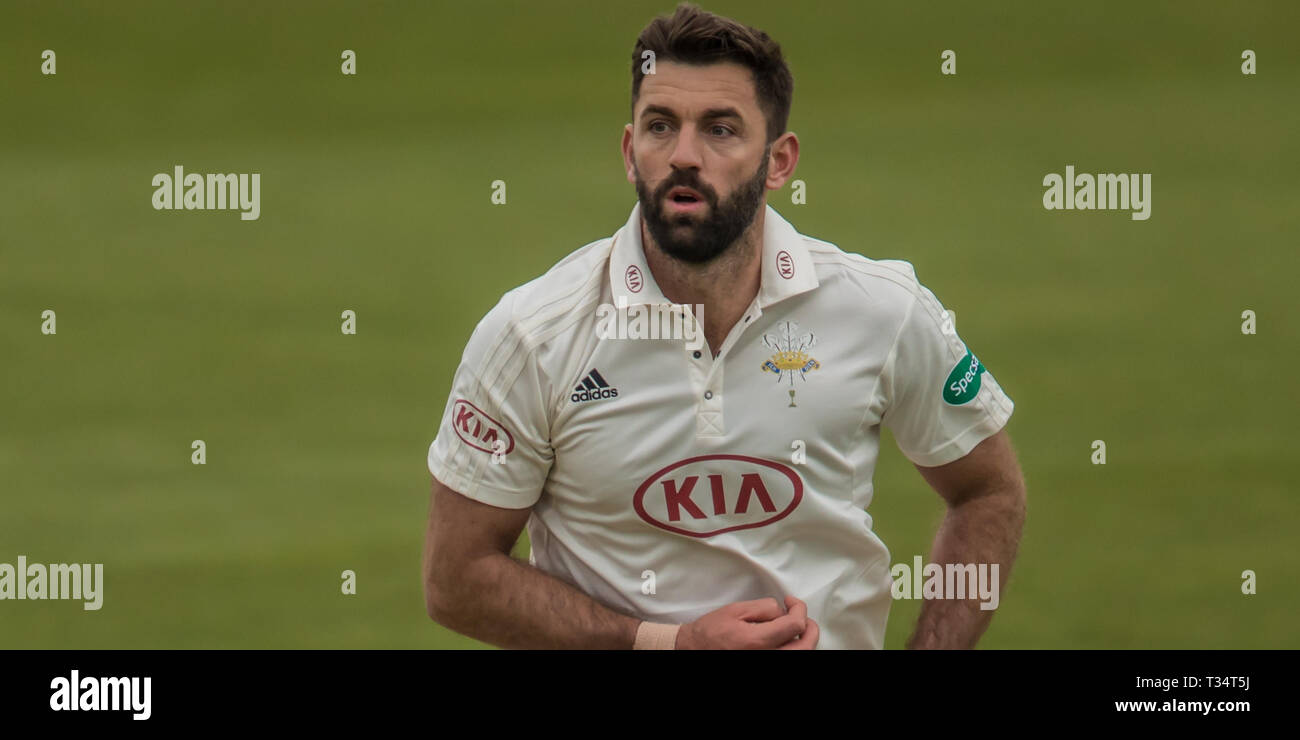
<point>709,419</point>
<point>709,373</point>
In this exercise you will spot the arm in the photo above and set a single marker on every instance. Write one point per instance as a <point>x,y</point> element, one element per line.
<point>985,494</point>
<point>473,586</point>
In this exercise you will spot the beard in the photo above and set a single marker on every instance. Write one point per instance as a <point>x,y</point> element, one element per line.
<point>699,238</point>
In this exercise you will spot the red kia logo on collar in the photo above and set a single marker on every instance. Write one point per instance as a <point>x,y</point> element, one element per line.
<point>784,264</point>
<point>633,278</point>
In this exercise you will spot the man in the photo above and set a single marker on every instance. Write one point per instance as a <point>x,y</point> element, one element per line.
<point>709,494</point>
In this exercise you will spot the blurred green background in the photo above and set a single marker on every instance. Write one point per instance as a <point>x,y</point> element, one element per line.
<point>176,326</point>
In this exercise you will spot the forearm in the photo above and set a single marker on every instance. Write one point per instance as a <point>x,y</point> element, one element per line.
<point>984,529</point>
<point>504,602</point>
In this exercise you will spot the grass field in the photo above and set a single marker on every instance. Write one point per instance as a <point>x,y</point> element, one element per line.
<point>176,326</point>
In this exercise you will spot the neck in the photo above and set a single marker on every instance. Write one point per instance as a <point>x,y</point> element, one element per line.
<point>724,287</point>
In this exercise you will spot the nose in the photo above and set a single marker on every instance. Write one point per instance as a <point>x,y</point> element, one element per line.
<point>686,150</point>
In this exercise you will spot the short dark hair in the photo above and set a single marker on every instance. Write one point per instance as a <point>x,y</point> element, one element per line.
<point>696,36</point>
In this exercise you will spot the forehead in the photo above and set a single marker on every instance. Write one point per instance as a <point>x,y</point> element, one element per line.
<point>684,87</point>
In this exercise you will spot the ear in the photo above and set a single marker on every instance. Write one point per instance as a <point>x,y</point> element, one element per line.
<point>782,160</point>
<point>629,162</point>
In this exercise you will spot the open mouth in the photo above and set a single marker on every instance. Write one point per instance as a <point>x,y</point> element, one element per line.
<point>685,198</point>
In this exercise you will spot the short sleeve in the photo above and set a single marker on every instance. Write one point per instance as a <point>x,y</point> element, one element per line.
<point>940,400</point>
<point>493,444</point>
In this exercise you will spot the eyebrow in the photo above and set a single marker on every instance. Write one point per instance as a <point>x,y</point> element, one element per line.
<point>709,114</point>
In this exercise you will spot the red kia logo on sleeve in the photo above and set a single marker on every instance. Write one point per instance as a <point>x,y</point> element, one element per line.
<point>711,494</point>
<point>633,278</point>
<point>478,430</point>
<point>784,264</point>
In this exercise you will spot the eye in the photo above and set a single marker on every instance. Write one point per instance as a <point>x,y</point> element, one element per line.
<point>723,129</point>
<point>653,130</point>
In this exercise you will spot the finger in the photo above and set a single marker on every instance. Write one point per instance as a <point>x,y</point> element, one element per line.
<point>778,632</point>
<point>758,610</point>
<point>806,641</point>
<point>795,606</point>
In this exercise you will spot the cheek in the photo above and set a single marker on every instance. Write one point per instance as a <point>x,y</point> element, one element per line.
<point>737,178</point>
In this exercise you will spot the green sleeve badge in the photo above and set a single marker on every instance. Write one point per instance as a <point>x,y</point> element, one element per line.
<point>963,383</point>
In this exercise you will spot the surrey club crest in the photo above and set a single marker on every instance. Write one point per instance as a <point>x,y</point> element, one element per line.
<point>791,357</point>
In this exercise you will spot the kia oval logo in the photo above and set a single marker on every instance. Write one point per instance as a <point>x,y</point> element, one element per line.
<point>785,264</point>
<point>633,278</point>
<point>478,430</point>
<point>711,494</point>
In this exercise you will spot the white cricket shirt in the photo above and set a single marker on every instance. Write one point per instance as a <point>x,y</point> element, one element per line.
<point>665,483</point>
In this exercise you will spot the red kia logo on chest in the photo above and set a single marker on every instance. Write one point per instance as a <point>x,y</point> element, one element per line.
<point>478,430</point>
<point>711,494</point>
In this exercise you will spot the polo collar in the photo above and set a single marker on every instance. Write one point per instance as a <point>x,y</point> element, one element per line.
<point>787,269</point>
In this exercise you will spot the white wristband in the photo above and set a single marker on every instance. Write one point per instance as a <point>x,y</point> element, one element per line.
<point>652,636</point>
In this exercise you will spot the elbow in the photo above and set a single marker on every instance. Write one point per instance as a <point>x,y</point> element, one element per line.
<point>436,602</point>
<point>449,593</point>
<point>1015,507</point>
<point>1003,498</point>
<point>430,602</point>
<point>1010,492</point>
<point>1020,495</point>
<point>435,588</point>
<point>439,610</point>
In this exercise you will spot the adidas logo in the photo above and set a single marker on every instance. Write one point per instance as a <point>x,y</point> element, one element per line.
<point>592,388</point>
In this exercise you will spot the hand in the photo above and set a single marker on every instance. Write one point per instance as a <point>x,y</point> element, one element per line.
<point>752,625</point>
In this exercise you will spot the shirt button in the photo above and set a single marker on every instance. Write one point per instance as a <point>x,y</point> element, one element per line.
<point>697,354</point>
<point>708,395</point>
